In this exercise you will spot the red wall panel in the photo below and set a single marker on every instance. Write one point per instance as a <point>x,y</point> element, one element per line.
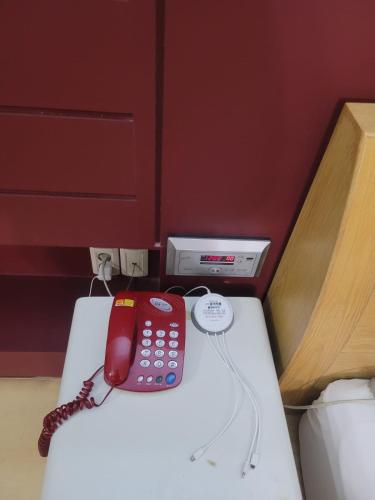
<point>77,123</point>
<point>250,91</point>
<point>81,54</point>
<point>46,152</point>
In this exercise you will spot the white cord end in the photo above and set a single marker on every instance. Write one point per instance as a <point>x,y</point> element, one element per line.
<point>198,454</point>
<point>254,460</point>
<point>245,470</point>
<point>250,464</point>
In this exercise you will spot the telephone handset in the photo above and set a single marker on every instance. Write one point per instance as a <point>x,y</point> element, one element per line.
<point>145,352</point>
<point>145,342</point>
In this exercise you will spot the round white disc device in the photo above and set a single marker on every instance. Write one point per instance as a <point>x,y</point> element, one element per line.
<point>212,313</point>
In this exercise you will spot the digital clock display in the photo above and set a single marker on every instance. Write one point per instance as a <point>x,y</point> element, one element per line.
<point>217,259</point>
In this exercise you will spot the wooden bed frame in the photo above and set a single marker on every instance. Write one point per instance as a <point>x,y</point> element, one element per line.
<point>321,305</point>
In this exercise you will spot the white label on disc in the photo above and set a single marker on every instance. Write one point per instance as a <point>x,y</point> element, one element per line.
<point>214,310</point>
<point>213,313</point>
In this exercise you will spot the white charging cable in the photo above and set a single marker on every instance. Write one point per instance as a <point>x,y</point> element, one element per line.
<point>197,288</point>
<point>253,455</point>
<point>174,287</point>
<point>237,403</point>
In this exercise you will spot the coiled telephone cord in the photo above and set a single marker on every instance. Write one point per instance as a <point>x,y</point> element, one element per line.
<point>56,417</point>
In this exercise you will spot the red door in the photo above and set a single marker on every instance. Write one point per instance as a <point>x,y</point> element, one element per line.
<point>77,122</point>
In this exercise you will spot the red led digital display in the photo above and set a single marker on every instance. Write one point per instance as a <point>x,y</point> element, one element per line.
<point>220,259</point>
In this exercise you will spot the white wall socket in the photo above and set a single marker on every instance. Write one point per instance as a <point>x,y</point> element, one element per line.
<point>115,259</point>
<point>134,262</point>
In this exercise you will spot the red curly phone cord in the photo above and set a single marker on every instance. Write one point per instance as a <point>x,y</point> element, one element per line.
<point>56,417</point>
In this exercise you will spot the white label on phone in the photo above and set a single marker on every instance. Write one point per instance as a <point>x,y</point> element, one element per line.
<point>161,304</point>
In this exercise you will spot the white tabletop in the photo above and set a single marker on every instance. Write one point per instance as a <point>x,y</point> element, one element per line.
<point>137,446</point>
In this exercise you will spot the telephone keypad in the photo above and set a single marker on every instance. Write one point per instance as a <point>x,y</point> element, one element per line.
<point>159,353</point>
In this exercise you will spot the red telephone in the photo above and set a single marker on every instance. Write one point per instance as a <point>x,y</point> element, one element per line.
<point>145,352</point>
<point>145,342</point>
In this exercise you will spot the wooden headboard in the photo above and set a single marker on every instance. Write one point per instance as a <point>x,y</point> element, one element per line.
<point>321,304</point>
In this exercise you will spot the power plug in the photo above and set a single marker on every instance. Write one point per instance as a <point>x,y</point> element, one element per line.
<point>105,268</point>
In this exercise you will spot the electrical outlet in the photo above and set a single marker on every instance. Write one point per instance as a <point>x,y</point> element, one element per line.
<point>115,259</point>
<point>134,262</point>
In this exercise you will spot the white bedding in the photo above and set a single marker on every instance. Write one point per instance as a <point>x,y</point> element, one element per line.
<point>338,444</point>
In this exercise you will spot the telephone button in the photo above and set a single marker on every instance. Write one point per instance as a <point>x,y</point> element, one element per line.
<point>159,363</point>
<point>159,353</point>
<point>148,323</point>
<point>173,334</point>
<point>173,354</point>
<point>159,379</point>
<point>173,325</point>
<point>145,363</point>
<point>160,343</point>
<point>173,344</point>
<point>147,333</point>
<point>149,380</point>
<point>140,378</point>
<point>146,352</point>
<point>146,342</point>
<point>160,333</point>
<point>172,364</point>
<point>170,378</point>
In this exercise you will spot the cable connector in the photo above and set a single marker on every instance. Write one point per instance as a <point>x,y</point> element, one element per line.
<point>245,469</point>
<point>251,464</point>
<point>254,460</point>
<point>198,454</point>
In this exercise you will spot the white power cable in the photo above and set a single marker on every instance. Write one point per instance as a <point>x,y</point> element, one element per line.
<point>253,454</point>
<point>197,288</point>
<point>237,403</point>
<point>323,404</point>
<point>91,284</point>
<point>175,286</point>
